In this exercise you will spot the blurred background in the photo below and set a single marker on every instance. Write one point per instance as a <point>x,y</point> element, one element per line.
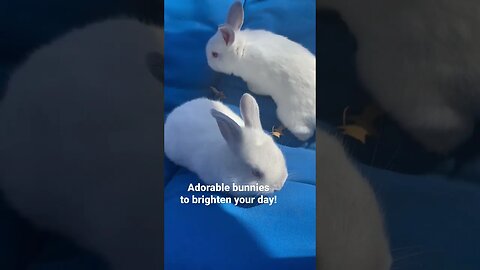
<point>430,201</point>
<point>24,27</point>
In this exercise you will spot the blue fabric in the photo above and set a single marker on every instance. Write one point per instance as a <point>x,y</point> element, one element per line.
<point>433,221</point>
<point>226,236</point>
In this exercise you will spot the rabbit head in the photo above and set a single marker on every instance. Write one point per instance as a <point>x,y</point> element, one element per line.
<point>223,48</point>
<point>259,158</point>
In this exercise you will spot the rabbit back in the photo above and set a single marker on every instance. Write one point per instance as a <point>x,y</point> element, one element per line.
<point>276,66</point>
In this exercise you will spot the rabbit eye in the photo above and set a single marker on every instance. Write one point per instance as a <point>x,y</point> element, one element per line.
<point>214,54</point>
<point>257,173</point>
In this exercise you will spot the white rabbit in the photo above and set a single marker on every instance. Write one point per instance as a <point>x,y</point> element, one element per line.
<point>350,229</point>
<point>271,65</point>
<point>419,60</point>
<point>207,138</point>
<point>80,141</point>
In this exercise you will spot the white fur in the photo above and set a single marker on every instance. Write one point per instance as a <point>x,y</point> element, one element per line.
<point>80,140</point>
<point>193,139</point>
<point>271,65</point>
<point>419,60</point>
<point>350,231</point>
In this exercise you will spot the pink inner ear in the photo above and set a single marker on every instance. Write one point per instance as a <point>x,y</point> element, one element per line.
<point>226,36</point>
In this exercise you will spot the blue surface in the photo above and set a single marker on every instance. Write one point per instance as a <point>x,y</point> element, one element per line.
<point>433,220</point>
<point>281,236</point>
<point>226,236</point>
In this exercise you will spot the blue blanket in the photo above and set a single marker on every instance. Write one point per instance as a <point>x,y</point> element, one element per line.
<point>281,236</point>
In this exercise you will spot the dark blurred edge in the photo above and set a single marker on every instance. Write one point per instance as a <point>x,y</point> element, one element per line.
<point>27,25</point>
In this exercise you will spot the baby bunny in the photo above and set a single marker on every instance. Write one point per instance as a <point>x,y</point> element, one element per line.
<point>271,65</point>
<point>419,61</point>
<point>80,141</point>
<point>207,138</point>
<point>350,231</point>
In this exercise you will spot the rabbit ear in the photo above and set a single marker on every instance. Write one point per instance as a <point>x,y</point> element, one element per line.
<point>231,131</point>
<point>235,16</point>
<point>227,33</point>
<point>250,111</point>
